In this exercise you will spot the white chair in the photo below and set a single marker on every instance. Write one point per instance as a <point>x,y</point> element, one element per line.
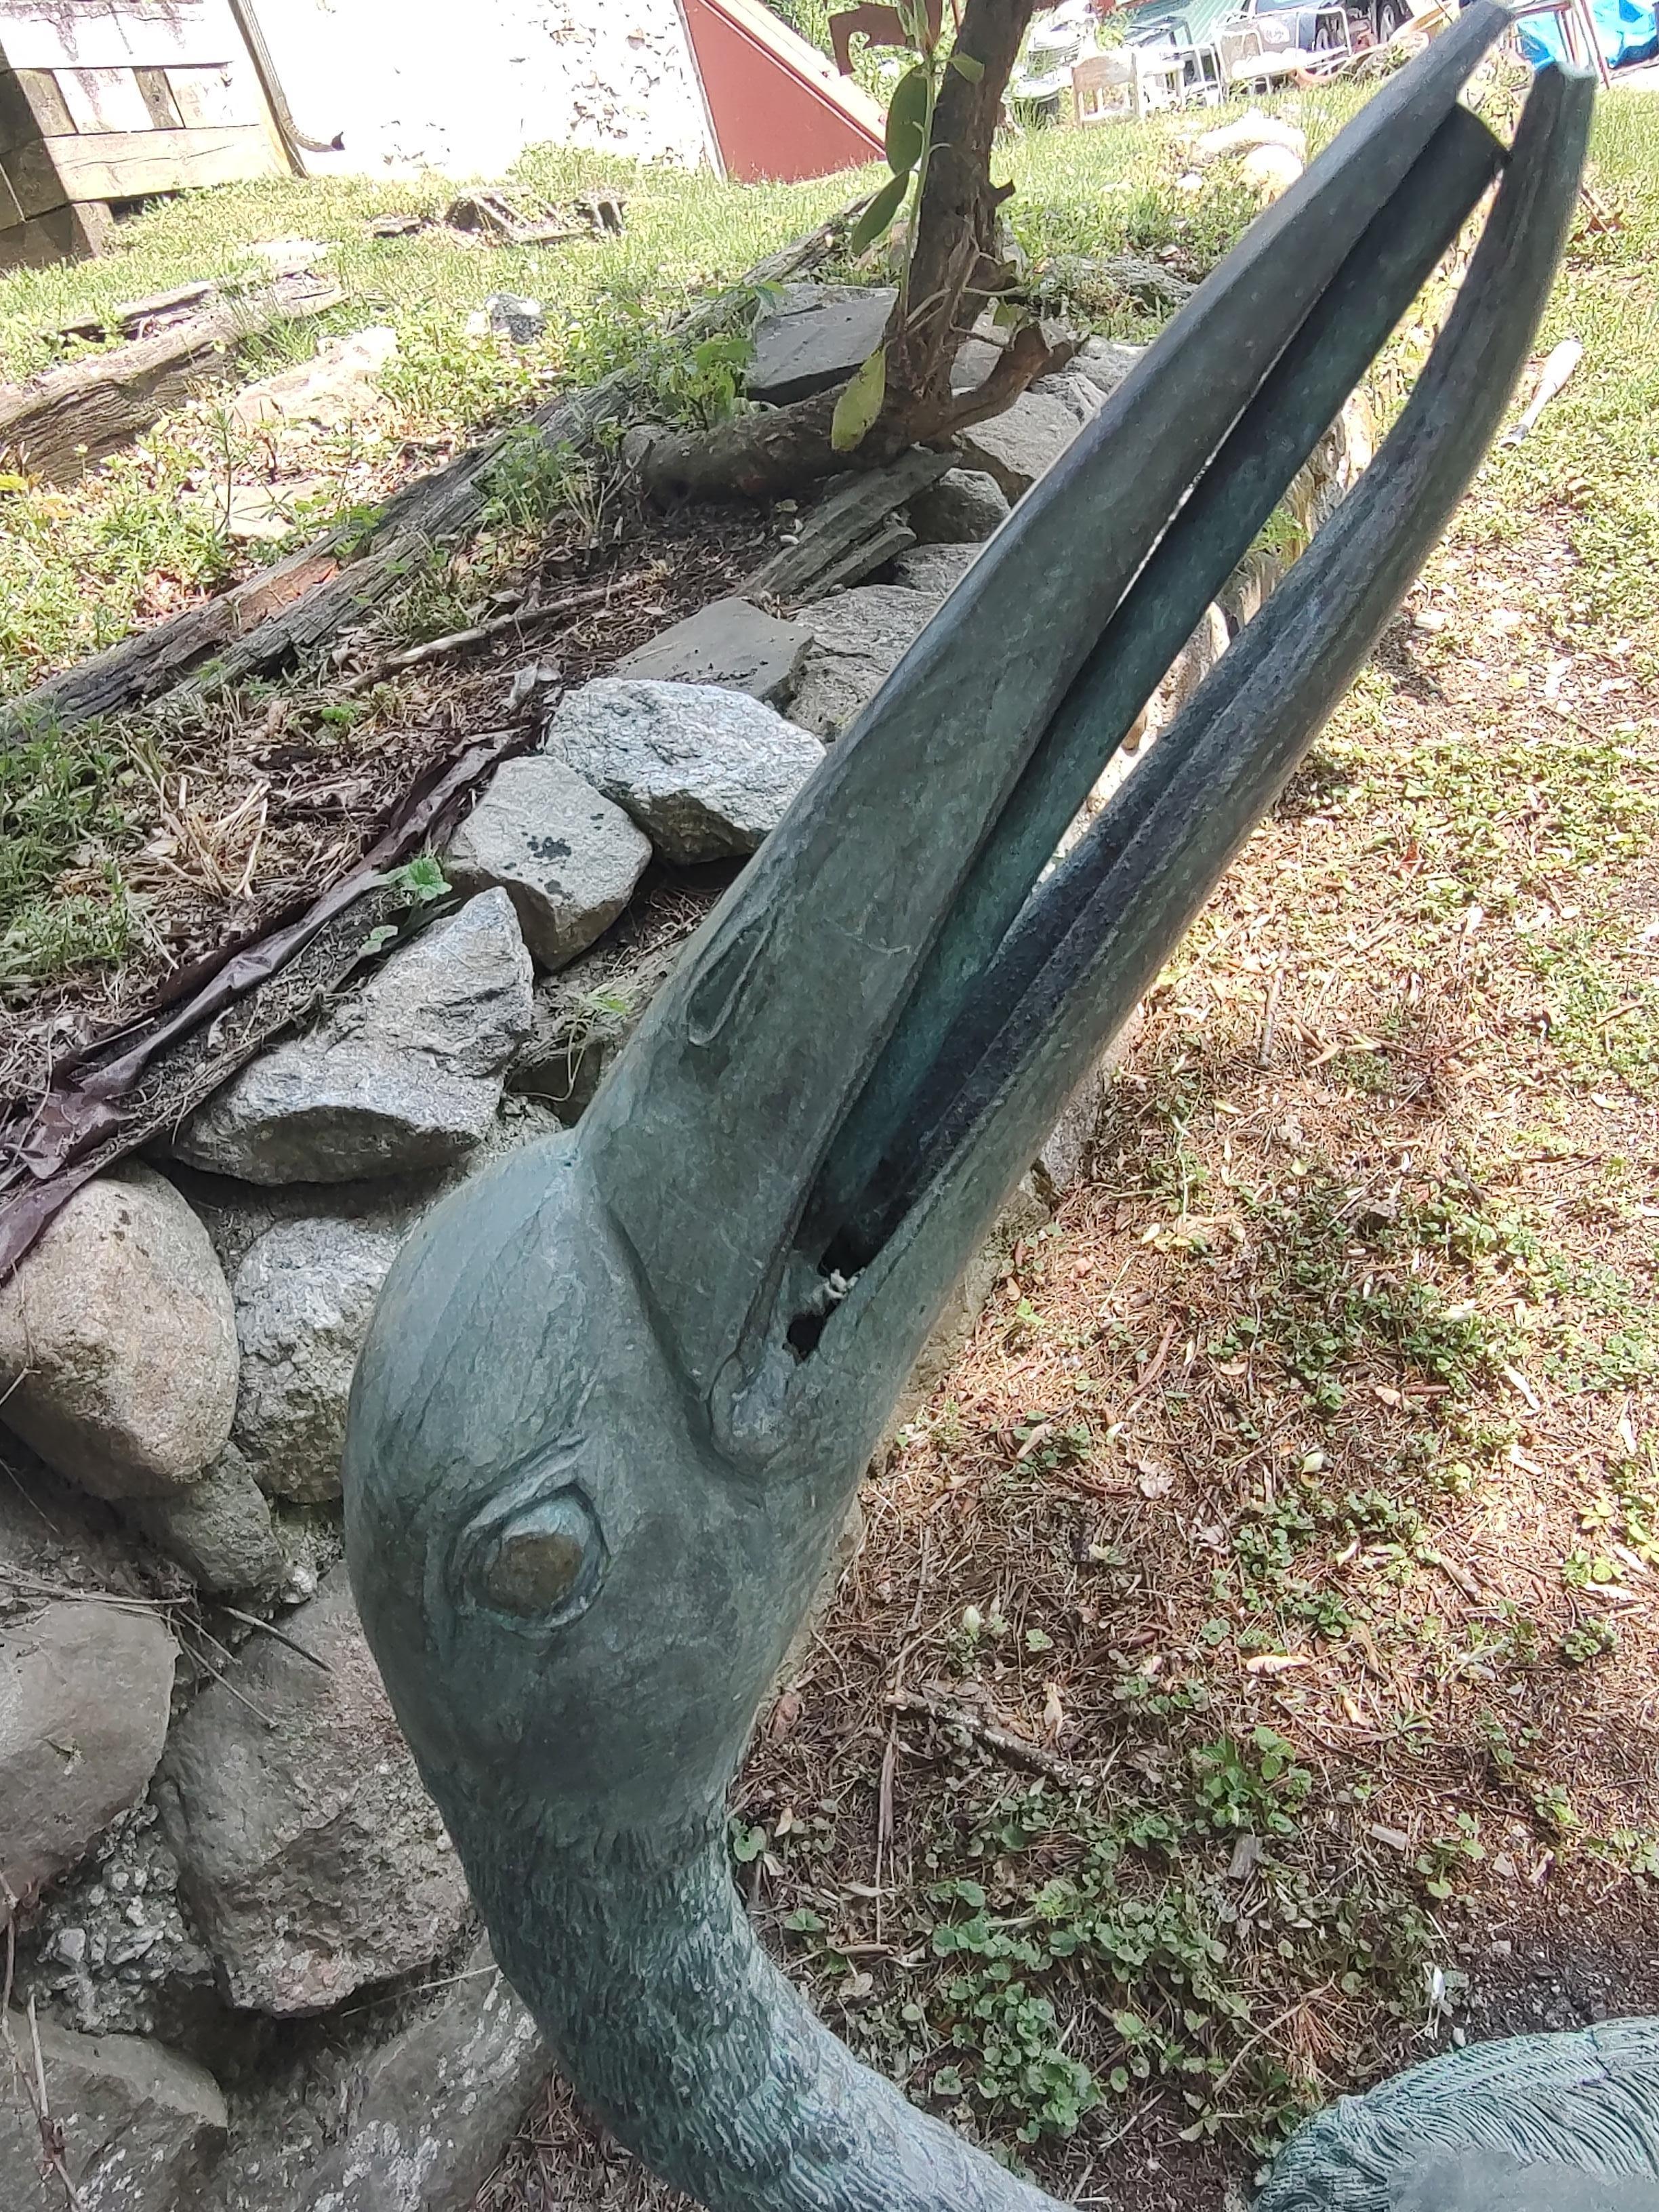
<point>1132,81</point>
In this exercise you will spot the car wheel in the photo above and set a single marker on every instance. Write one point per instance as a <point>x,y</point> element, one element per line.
<point>1390,15</point>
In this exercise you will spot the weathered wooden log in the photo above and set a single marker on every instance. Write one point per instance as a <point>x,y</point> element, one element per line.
<point>292,608</point>
<point>856,513</point>
<point>66,422</point>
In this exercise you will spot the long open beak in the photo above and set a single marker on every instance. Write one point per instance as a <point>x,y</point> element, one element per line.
<point>860,1054</point>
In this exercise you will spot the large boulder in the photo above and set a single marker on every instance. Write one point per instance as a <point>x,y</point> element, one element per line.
<point>310,1857</point>
<point>85,1694</point>
<point>567,858</point>
<point>118,1341</point>
<point>428,2111</point>
<point>965,506</point>
<point>729,643</point>
<point>305,1295</point>
<point>139,2125</point>
<point>858,638</point>
<point>1021,446</point>
<point>219,1530</point>
<point>706,773</point>
<point>405,1074</point>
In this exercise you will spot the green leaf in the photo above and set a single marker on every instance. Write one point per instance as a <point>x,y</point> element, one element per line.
<point>965,65</point>
<point>878,218</point>
<point>747,1843</point>
<point>907,123</point>
<point>859,404</point>
<point>804,1923</point>
<point>422,879</point>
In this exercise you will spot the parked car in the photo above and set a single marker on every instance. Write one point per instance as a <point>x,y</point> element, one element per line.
<point>1314,27</point>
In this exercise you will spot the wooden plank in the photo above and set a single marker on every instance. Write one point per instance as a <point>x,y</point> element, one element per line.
<point>104,99</point>
<point>31,106</point>
<point>157,95</point>
<point>121,165</point>
<point>67,421</point>
<point>66,233</point>
<point>216,99</point>
<point>139,34</point>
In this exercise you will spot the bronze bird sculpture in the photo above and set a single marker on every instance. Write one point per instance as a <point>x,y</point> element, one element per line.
<point>619,1392</point>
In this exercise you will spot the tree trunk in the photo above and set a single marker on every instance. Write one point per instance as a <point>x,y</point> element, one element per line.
<point>955,270</point>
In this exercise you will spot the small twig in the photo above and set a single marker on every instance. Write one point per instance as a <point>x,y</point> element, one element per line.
<point>1155,1367</point>
<point>481,633</point>
<point>1018,1750</point>
<point>266,1628</point>
<point>1261,2035</point>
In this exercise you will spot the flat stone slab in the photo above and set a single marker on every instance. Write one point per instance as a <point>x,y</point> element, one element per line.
<point>706,773</point>
<point>567,859</point>
<point>140,2125</point>
<point>733,644</point>
<point>858,639</point>
<point>338,386</point>
<point>405,1074</point>
<point>815,337</point>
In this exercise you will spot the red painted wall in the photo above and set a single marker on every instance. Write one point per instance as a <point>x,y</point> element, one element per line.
<point>780,110</point>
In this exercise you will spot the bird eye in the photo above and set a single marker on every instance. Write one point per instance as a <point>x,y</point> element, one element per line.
<point>541,1562</point>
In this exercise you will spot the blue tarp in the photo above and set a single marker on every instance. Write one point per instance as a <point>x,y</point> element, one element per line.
<point>1628,29</point>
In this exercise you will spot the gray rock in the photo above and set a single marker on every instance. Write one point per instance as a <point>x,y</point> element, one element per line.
<point>706,773</point>
<point>338,386</point>
<point>815,337</point>
<point>567,858</point>
<point>1105,362</point>
<point>965,507</point>
<point>586,1015</point>
<point>305,1295</point>
<point>219,1530</point>
<point>429,2110</point>
<point>140,2124</point>
<point>1022,445</point>
<point>312,1858</point>
<point>405,1074</point>
<point>935,570</point>
<point>118,1341</point>
<point>859,639</point>
<point>1080,395</point>
<point>85,1692</point>
<point>510,315</point>
<point>731,643</point>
